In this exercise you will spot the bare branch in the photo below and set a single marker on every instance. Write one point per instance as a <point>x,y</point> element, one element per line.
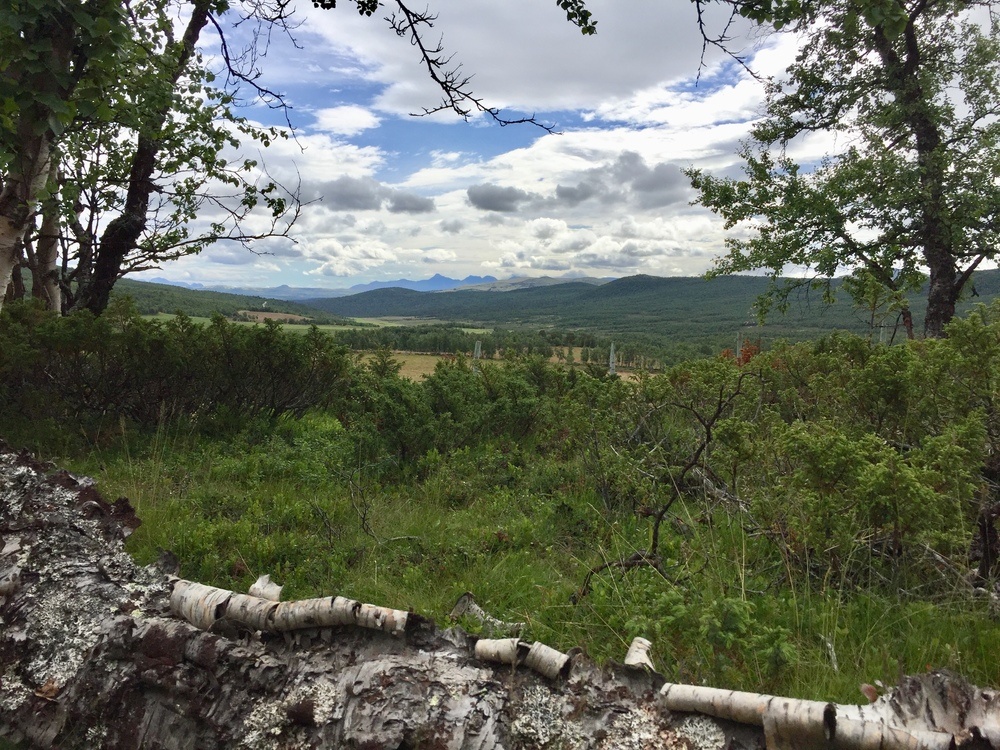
<point>454,84</point>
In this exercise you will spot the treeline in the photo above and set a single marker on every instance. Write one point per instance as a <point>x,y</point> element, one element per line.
<point>122,366</point>
<point>581,347</point>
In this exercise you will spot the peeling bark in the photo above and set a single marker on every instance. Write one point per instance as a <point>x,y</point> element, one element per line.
<point>92,655</point>
<point>935,711</point>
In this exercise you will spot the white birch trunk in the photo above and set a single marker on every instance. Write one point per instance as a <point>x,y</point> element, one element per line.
<point>935,711</point>
<point>17,201</point>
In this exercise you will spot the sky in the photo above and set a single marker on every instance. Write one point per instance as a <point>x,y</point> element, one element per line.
<point>390,195</point>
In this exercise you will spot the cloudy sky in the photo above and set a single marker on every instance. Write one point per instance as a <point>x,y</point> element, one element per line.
<point>393,195</point>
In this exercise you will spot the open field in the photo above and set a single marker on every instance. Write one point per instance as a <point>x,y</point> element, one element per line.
<point>260,317</point>
<point>415,365</point>
<point>418,366</point>
<point>302,321</point>
<point>293,327</point>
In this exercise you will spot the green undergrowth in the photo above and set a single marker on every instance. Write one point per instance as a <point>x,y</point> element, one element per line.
<point>818,503</point>
<point>520,530</point>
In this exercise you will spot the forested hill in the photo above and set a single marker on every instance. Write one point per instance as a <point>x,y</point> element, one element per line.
<point>152,298</point>
<point>675,308</point>
<point>692,310</point>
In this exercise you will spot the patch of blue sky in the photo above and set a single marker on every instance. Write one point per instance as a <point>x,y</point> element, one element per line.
<point>306,98</point>
<point>414,143</point>
<point>728,72</point>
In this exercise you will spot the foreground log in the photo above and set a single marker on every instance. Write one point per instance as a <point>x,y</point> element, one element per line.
<point>936,711</point>
<point>97,652</point>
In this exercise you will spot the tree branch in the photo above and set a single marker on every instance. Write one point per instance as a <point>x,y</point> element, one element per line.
<point>454,84</point>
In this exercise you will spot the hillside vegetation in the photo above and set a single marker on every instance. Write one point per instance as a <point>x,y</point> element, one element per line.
<point>164,298</point>
<point>690,310</point>
<point>652,321</point>
<point>800,520</point>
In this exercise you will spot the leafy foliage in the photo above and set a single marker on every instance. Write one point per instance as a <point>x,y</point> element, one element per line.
<point>578,15</point>
<point>38,76</point>
<point>120,366</point>
<point>911,90</point>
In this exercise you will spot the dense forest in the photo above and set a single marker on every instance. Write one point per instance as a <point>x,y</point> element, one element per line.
<point>151,299</point>
<point>799,520</point>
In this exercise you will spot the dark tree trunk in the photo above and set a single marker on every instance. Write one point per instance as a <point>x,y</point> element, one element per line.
<point>15,289</point>
<point>903,72</point>
<point>907,316</point>
<point>986,546</point>
<point>122,235</point>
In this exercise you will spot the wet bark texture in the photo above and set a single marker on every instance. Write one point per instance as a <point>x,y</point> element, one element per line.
<point>92,656</point>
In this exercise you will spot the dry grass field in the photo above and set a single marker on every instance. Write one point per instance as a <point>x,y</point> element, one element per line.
<point>417,366</point>
<point>260,317</point>
<point>414,366</point>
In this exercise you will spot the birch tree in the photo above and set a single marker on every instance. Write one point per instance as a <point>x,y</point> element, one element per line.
<point>115,141</point>
<point>911,90</point>
<point>52,55</point>
<point>173,165</point>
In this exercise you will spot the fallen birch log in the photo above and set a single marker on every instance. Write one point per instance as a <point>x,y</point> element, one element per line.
<point>206,607</point>
<point>536,656</point>
<point>935,711</point>
<point>94,653</point>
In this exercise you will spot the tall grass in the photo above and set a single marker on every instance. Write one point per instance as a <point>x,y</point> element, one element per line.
<point>726,615</point>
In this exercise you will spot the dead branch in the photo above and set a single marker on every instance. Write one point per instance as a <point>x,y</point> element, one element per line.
<point>467,605</point>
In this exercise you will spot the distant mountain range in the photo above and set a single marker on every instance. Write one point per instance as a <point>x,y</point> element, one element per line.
<point>703,313</point>
<point>436,283</point>
<point>528,282</point>
<point>675,309</point>
<point>634,304</point>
